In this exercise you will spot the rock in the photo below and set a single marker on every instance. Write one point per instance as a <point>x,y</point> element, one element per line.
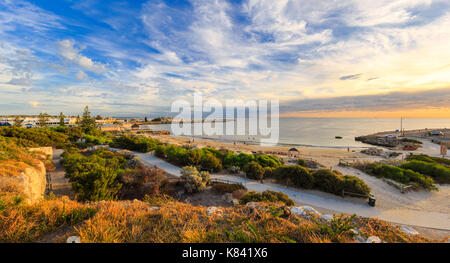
<point>213,210</point>
<point>47,152</point>
<point>360,239</point>
<point>73,239</point>
<point>373,239</point>
<point>29,181</point>
<point>373,151</point>
<point>409,230</point>
<point>328,218</point>
<point>235,202</point>
<point>304,211</point>
<point>354,231</point>
<point>253,205</point>
<point>154,208</point>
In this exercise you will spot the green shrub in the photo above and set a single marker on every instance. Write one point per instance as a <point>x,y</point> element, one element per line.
<point>428,159</point>
<point>268,161</point>
<point>227,188</point>
<point>254,171</point>
<point>135,143</point>
<point>334,182</point>
<point>399,174</point>
<point>266,196</point>
<point>439,173</point>
<point>35,136</point>
<point>94,177</point>
<point>211,163</point>
<point>328,181</point>
<point>391,172</point>
<point>301,162</point>
<point>194,181</point>
<point>194,157</point>
<point>294,175</point>
<point>354,184</point>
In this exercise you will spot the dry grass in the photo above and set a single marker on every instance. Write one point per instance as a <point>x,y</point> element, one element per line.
<point>14,159</point>
<point>176,222</point>
<point>168,221</point>
<point>21,222</point>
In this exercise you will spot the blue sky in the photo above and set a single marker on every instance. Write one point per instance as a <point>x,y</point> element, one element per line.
<point>136,57</point>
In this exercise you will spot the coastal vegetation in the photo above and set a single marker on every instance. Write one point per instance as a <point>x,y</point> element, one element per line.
<point>420,171</point>
<point>106,175</point>
<point>34,137</point>
<point>266,196</point>
<point>194,181</point>
<point>134,143</point>
<point>401,174</point>
<point>325,180</point>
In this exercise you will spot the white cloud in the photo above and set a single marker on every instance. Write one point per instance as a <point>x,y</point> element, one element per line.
<point>68,50</point>
<point>82,76</point>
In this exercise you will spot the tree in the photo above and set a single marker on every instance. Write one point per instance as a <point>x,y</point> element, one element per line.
<point>145,119</point>
<point>61,119</point>
<point>99,117</point>
<point>43,119</point>
<point>87,121</point>
<point>78,121</point>
<point>18,121</point>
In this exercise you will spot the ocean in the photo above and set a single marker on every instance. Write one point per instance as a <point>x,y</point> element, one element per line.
<point>321,132</point>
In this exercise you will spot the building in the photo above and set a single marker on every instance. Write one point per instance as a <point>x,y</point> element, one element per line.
<point>110,128</point>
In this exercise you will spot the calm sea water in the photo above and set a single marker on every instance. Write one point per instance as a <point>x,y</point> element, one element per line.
<point>322,131</point>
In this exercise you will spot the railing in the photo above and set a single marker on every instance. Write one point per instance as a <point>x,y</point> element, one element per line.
<point>371,198</point>
<point>218,180</point>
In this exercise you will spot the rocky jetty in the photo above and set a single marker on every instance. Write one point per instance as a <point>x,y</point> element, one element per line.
<point>379,140</point>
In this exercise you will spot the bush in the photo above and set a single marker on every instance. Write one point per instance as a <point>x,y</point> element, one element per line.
<point>35,136</point>
<point>328,181</point>
<point>334,182</point>
<point>301,162</point>
<point>94,177</point>
<point>266,196</point>
<point>224,188</point>
<point>398,174</point>
<point>194,157</point>
<point>268,161</point>
<point>294,175</point>
<point>211,163</point>
<point>194,182</point>
<point>439,173</point>
<point>254,171</point>
<point>135,143</point>
<point>391,172</point>
<point>428,159</point>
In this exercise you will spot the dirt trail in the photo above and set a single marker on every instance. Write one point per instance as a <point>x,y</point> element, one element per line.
<point>60,185</point>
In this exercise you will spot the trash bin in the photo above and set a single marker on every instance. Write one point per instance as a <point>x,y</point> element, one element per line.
<point>371,201</point>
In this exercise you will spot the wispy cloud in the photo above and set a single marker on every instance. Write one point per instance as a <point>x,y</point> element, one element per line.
<point>139,53</point>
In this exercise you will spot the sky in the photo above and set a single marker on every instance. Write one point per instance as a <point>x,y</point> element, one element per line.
<point>384,58</point>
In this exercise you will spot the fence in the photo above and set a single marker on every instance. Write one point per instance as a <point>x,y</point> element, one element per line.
<point>218,180</point>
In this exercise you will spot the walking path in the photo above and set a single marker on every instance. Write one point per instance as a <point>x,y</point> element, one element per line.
<point>327,201</point>
<point>60,184</point>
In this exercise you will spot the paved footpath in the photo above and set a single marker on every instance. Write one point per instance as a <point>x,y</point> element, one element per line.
<point>399,216</point>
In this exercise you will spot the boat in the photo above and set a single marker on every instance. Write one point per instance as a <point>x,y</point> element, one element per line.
<point>338,137</point>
